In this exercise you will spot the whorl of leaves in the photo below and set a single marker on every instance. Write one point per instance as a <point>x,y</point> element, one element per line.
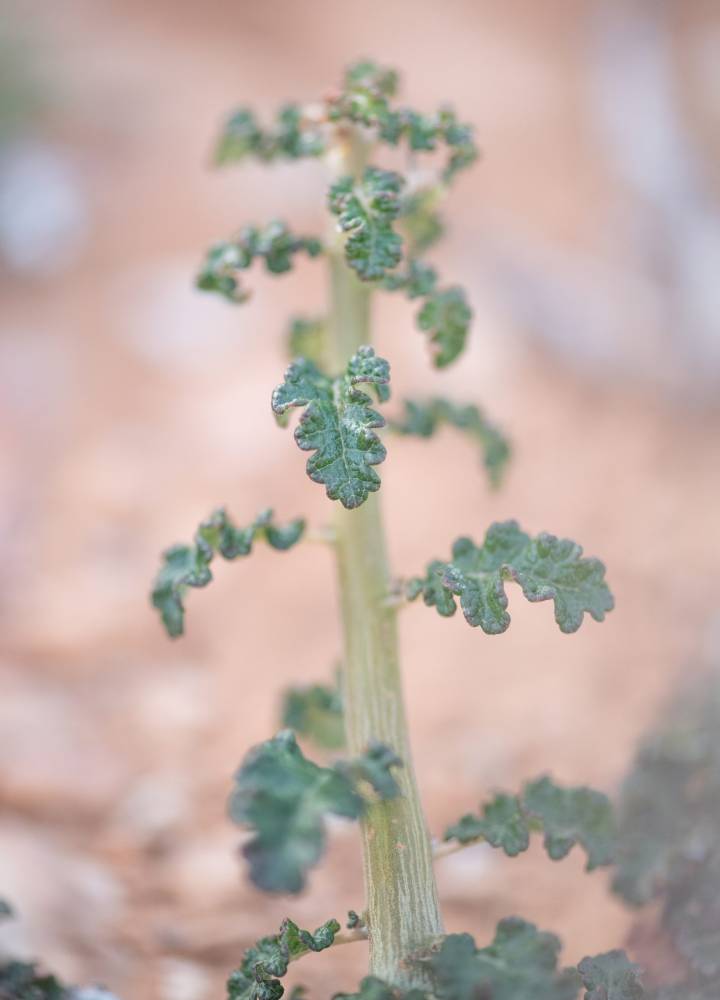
<point>545,567</point>
<point>424,418</point>
<point>316,712</point>
<point>189,565</point>
<point>266,962</point>
<point>567,816</point>
<point>366,210</point>
<point>338,424</point>
<point>275,244</point>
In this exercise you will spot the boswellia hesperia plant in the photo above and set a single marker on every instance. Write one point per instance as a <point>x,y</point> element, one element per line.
<point>380,225</point>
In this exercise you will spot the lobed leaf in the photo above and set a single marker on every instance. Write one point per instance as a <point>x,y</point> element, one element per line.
<point>316,712</point>
<point>610,976</point>
<point>189,565</point>
<point>567,816</point>
<point>422,419</point>
<point>546,567</point>
<point>520,964</point>
<point>338,424</point>
<point>275,245</point>
<point>292,136</point>
<point>284,798</point>
<point>366,210</point>
<point>420,220</point>
<point>446,317</point>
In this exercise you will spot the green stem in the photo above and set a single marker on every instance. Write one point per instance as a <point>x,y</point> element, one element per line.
<point>403,915</point>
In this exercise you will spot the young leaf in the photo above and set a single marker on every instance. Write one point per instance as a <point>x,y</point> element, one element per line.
<point>274,244</point>
<point>292,136</point>
<point>284,798</point>
<point>374,766</point>
<point>338,424</point>
<point>546,567</point>
<point>306,338</point>
<point>316,712</point>
<point>446,317</point>
<point>367,210</point>
<point>422,419</point>
<point>520,964</point>
<point>611,977</point>
<point>189,565</point>
<point>567,816</point>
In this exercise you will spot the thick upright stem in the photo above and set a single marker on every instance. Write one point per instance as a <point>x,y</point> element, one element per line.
<point>402,906</point>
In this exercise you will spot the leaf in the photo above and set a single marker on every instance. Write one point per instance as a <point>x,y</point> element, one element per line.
<point>546,567</point>
<point>367,210</point>
<point>610,977</point>
<point>422,419</point>
<point>375,766</point>
<point>567,816</point>
<point>23,981</point>
<point>572,816</point>
<point>316,712</point>
<point>446,317</point>
<point>420,220</point>
<point>371,988</point>
<point>292,136</point>
<point>338,424</point>
<point>284,798</point>
<point>502,824</point>
<point>274,244</point>
<point>520,964</point>
<point>189,565</point>
<point>306,338</point>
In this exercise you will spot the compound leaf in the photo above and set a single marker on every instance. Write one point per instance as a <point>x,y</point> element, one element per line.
<point>316,712</point>
<point>275,244</point>
<point>422,419</point>
<point>520,964</point>
<point>546,567</point>
<point>189,565</point>
<point>610,976</point>
<point>366,210</point>
<point>284,798</point>
<point>567,816</point>
<point>338,424</point>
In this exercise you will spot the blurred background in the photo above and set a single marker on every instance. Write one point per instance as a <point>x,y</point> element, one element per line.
<point>588,239</point>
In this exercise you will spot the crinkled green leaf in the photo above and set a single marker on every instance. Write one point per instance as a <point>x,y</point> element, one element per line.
<point>366,210</point>
<point>274,244</point>
<point>572,816</point>
<point>316,712</point>
<point>503,823</point>
<point>520,964</point>
<point>422,419</point>
<point>306,338</point>
<point>338,424</point>
<point>354,921</point>
<point>611,976</point>
<point>546,567</point>
<point>446,317</point>
<point>567,816</point>
<point>293,135</point>
<point>284,798</point>
<point>189,565</point>
<point>375,766</point>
